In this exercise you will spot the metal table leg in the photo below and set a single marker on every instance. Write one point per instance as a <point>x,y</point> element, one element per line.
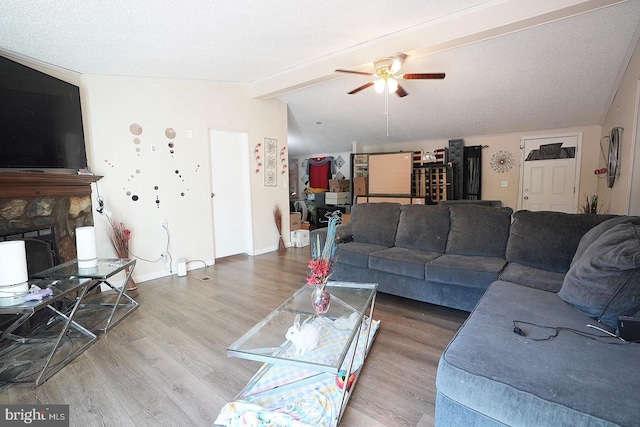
<point>44,375</point>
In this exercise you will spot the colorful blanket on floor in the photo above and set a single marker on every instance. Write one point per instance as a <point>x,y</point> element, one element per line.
<point>289,396</point>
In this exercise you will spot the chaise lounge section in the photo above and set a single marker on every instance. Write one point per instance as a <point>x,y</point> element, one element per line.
<point>546,275</point>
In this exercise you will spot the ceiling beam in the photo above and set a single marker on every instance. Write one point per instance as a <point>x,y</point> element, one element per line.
<point>483,22</point>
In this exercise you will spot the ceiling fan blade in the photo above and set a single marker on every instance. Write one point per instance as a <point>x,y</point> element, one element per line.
<point>401,92</point>
<point>354,72</point>
<point>364,86</point>
<point>422,76</point>
<point>398,59</point>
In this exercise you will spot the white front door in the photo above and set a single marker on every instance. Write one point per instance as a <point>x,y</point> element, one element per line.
<point>230,193</point>
<point>549,174</point>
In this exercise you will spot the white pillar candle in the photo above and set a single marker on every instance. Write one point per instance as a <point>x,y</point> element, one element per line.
<point>14,276</point>
<point>86,247</point>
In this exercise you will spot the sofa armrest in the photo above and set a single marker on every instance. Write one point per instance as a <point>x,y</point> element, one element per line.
<point>344,233</point>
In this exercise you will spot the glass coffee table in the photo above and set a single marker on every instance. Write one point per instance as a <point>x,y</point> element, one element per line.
<point>102,311</point>
<point>313,387</point>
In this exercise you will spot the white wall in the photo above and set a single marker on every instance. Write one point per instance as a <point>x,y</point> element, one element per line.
<point>182,178</point>
<point>622,113</point>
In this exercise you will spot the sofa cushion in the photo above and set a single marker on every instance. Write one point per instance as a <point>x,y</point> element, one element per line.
<point>593,234</point>
<point>375,223</point>
<point>402,261</point>
<point>466,270</point>
<point>548,240</point>
<point>356,253</point>
<point>423,227</point>
<point>604,282</point>
<point>478,230</point>
<point>532,277</point>
<point>569,380</point>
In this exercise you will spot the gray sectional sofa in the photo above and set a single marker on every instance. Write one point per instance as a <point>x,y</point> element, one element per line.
<point>533,282</point>
<point>445,255</point>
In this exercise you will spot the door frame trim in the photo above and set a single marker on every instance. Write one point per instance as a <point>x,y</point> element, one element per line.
<point>633,204</point>
<point>576,178</point>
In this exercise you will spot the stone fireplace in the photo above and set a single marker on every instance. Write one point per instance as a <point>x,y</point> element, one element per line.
<point>33,202</point>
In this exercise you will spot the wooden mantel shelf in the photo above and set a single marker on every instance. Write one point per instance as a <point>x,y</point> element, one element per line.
<point>30,184</point>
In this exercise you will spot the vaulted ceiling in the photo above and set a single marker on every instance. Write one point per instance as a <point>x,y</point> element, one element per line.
<point>511,65</point>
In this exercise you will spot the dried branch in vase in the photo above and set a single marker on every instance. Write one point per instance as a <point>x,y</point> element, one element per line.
<point>119,236</point>
<point>277,216</point>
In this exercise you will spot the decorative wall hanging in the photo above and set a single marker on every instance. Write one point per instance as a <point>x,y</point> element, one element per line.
<point>256,155</point>
<point>270,162</point>
<point>612,159</point>
<point>283,160</point>
<point>502,161</point>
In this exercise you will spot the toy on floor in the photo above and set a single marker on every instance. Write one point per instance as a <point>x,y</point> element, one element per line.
<point>341,377</point>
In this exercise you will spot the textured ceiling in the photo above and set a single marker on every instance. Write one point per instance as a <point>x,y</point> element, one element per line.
<point>512,65</point>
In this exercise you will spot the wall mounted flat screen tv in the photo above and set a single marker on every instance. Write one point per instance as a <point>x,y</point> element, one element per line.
<point>40,120</point>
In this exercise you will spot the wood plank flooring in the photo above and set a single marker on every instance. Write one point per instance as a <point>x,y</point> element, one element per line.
<point>166,364</point>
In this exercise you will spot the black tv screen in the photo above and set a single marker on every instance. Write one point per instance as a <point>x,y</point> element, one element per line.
<point>40,120</point>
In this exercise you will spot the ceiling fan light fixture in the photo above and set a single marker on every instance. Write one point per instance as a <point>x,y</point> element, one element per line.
<point>392,85</point>
<point>379,85</point>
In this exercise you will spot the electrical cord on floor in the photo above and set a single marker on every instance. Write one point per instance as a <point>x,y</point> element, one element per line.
<point>199,260</point>
<point>555,331</point>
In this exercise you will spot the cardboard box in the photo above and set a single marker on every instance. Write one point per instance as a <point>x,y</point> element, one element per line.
<point>305,225</point>
<point>339,185</point>
<point>295,221</point>
<point>360,185</point>
<point>341,198</point>
<point>346,218</point>
<point>300,238</point>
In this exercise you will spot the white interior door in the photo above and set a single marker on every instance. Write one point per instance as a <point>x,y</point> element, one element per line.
<point>549,174</point>
<point>230,193</point>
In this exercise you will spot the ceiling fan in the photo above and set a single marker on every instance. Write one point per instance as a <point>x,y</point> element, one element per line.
<point>386,75</point>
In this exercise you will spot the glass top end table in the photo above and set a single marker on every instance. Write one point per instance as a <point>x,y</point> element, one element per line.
<point>101,302</point>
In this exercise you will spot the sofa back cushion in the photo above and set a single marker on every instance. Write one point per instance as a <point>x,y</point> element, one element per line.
<point>375,223</point>
<point>604,282</point>
<point>548,240</point>
<point>423,227</point>
<point>478,230</point>
<point>593,234</point>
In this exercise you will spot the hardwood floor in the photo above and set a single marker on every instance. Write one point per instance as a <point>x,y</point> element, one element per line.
<point>166,364</point>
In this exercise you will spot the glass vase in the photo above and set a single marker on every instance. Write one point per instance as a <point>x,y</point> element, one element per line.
<point>320,299</point>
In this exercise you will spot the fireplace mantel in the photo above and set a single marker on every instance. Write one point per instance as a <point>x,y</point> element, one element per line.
<point>29,184</point>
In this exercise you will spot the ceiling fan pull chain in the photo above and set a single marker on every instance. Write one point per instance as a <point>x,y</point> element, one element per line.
<point>386,108</point>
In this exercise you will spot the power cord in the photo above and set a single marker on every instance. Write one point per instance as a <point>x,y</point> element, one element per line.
<point>166,229</point>
<point>101,210</point>
<point>555,331</point>
<point>198,260</point>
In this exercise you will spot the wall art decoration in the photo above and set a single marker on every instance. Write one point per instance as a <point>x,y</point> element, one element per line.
<point>256,155</point>
<point>270,162</point>
<point>283,160</point>
<point>502,161</point>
